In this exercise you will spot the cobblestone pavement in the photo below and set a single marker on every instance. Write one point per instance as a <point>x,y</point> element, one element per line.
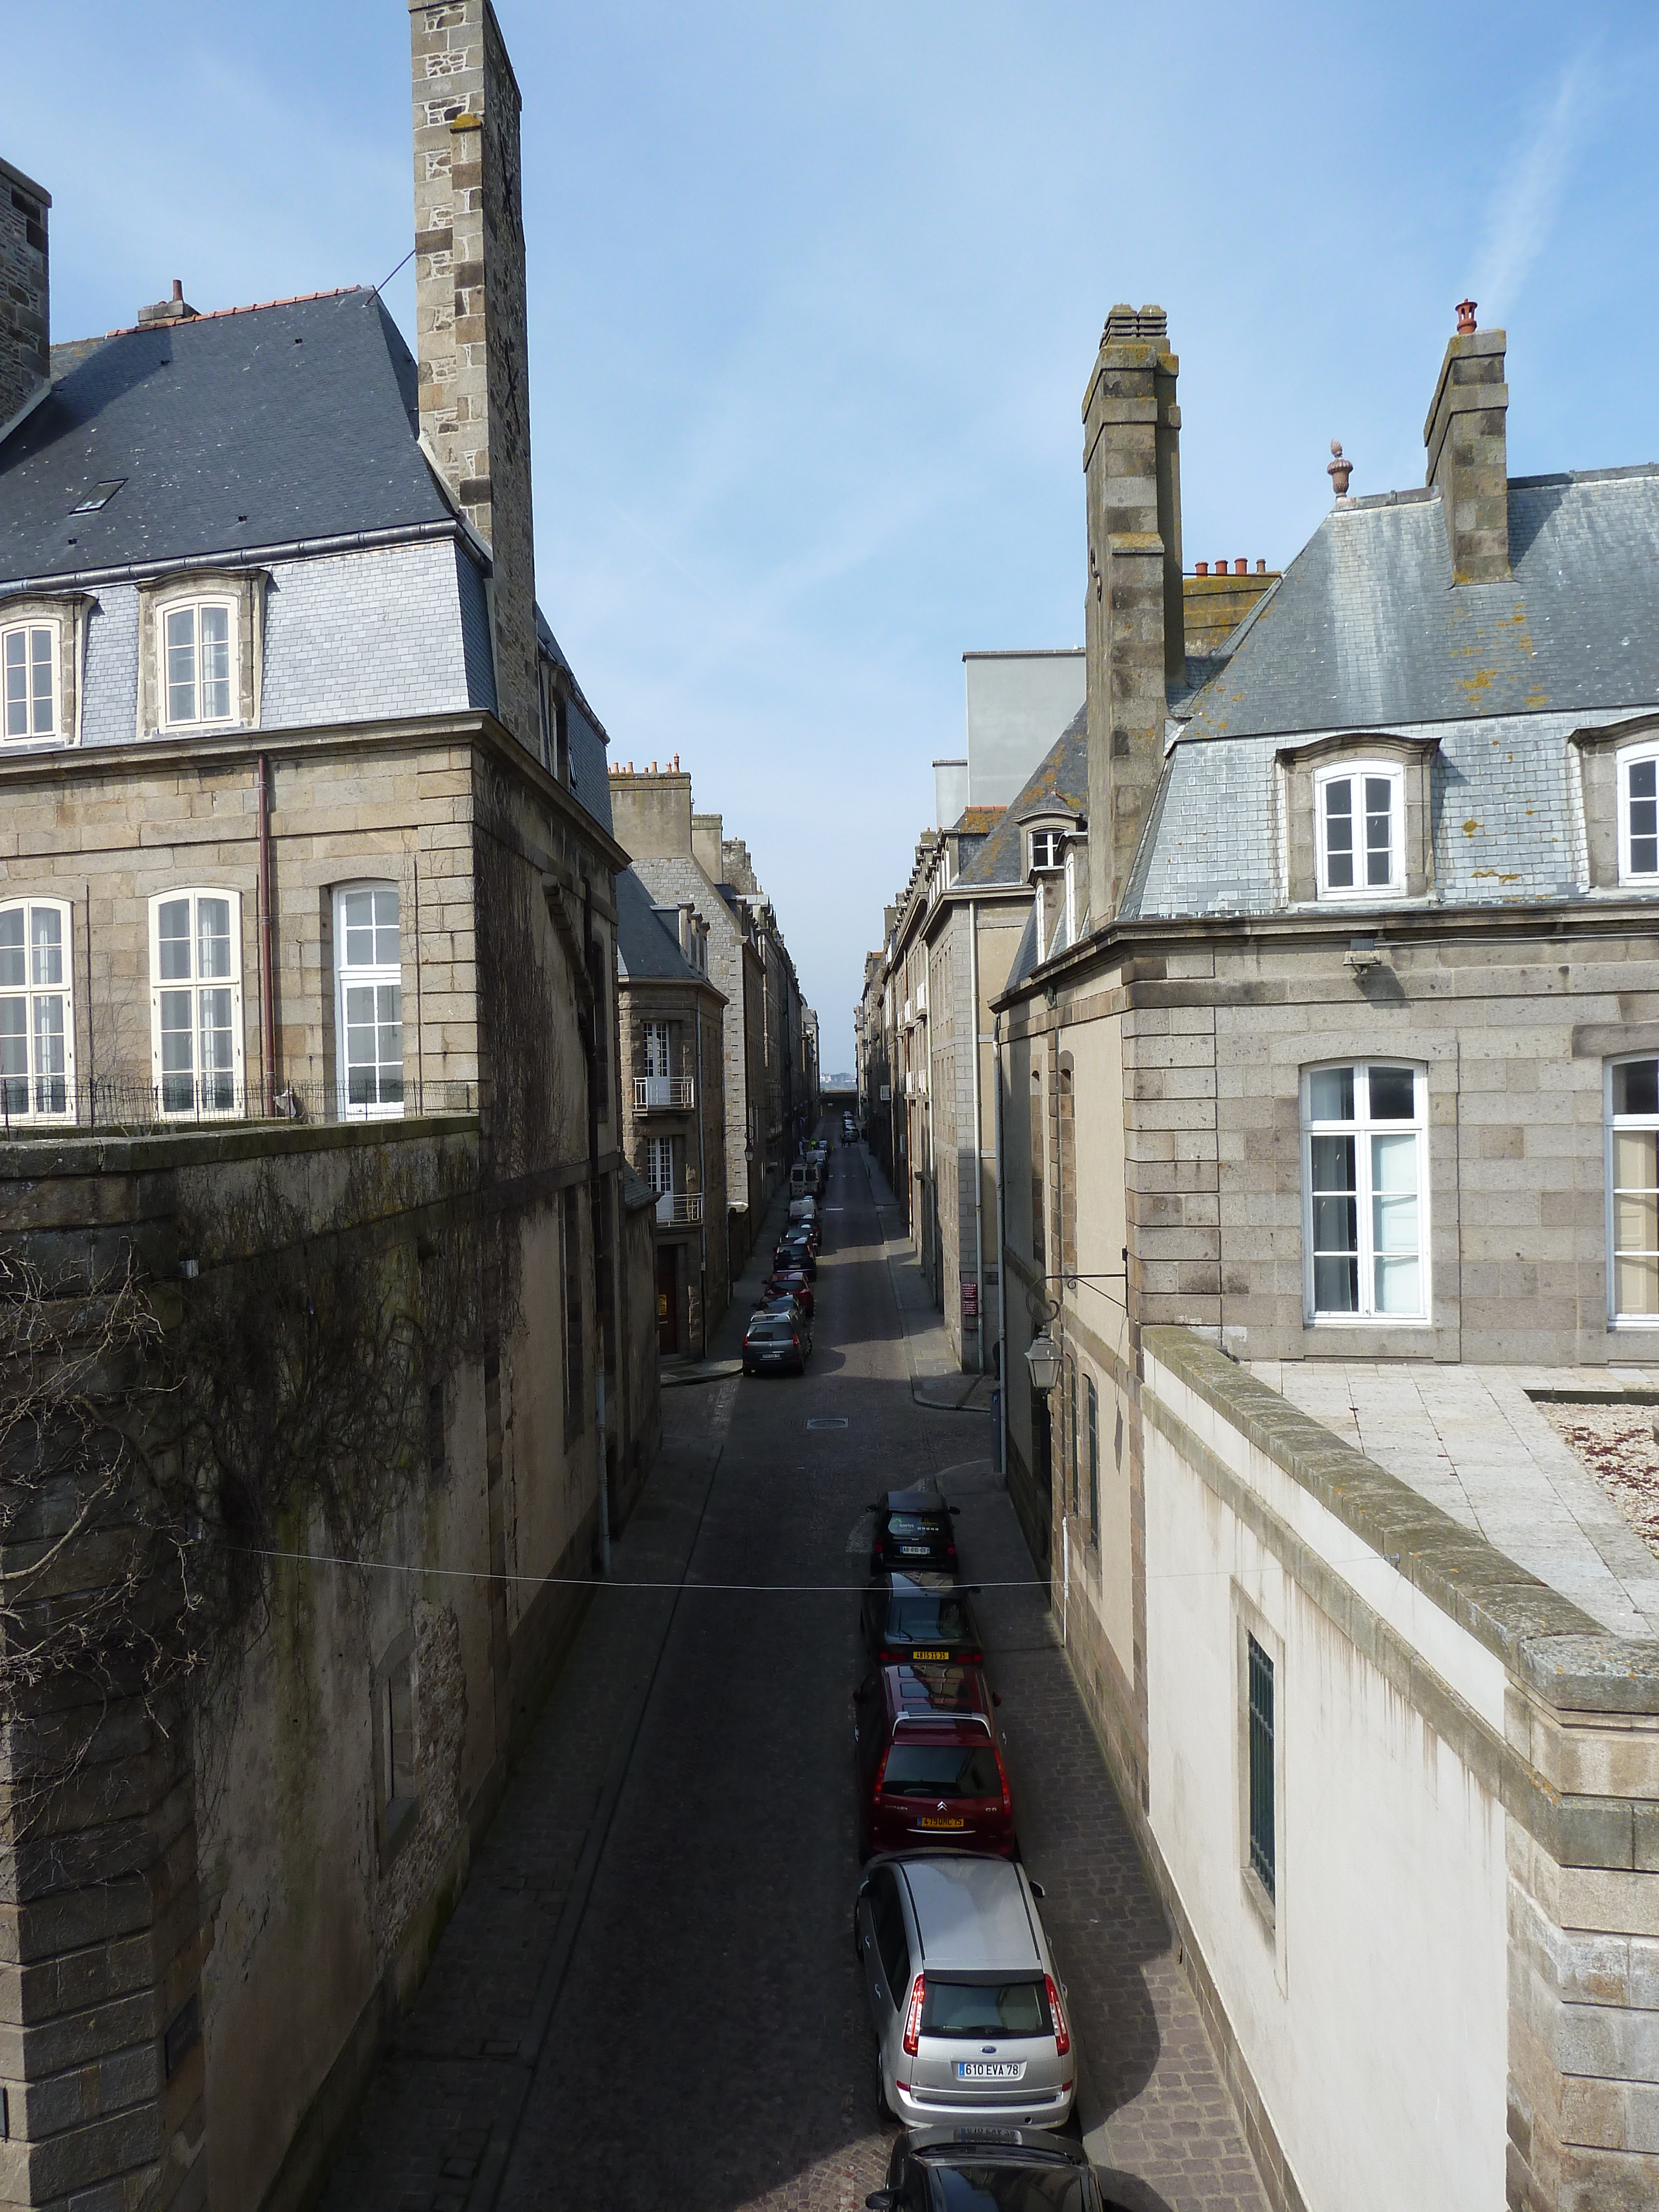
<point>647,1997</point>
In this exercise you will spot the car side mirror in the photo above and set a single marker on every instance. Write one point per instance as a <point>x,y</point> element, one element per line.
<point>1037,1890</point>
<point>884,2200</point>
<point>955,1512</point>
<point>874,1506</point>
<point>996,1697</point>
<point>976,1589</point>
<point>858,1695</point>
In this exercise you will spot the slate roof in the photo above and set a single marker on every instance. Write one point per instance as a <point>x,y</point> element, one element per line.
<point>1062,779</point>
<point>1364,628</point>
<point>645,948</point>
<point>299,416</point>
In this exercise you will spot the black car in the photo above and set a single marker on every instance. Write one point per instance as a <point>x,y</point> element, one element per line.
<point>912,1530</point>
<point>987,2170</point>
<point>920,1616</point>
<point>796,1252</point>
<point>774,1345</point>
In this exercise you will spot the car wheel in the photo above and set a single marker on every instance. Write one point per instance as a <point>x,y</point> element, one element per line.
<point>884,2109</point>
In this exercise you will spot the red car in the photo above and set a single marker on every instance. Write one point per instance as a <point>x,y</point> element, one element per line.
<point>790,1283</point>
<point>929,1767</point>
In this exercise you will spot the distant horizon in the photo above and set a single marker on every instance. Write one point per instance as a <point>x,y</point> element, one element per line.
<point>813,303</point>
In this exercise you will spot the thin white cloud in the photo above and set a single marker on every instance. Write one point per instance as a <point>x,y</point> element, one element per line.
<point>1523,209</point>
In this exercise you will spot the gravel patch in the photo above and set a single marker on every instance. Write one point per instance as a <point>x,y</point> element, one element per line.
<point>1619,1447</point>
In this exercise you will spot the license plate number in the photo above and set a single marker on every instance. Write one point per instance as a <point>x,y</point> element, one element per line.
<point>917,1653</point>
<point>912,1551</point>
<point>930,1820</point>
<point>990,2070</point>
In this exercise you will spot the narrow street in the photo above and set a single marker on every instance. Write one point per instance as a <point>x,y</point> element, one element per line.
<point>647,1996</point>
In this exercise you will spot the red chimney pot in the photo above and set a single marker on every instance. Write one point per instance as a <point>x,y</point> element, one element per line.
<point>1466,316</point>
<point>1241,567</point>
<point>1201,567</point>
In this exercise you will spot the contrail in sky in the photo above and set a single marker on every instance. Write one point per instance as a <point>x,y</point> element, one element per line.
<point>1524,210</point>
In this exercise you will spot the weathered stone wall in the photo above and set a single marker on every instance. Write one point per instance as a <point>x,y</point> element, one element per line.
<point>24,306</point>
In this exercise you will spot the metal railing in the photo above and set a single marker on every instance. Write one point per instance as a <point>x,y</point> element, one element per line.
<point>676,1209</point>
<point>51,1106</point>
<point>658,1093</point>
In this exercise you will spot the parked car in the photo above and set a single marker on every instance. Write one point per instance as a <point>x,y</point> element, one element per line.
<point>791,1282</point>
<point>920,1616</point>
<point>804,1210</point>
<point>970,2013</point>
<point>773,1345</point>
<point>912,1530</point>
<point>929,1766</point>
<point>999,2170</point>
<point>796,1252</point>
<point>785,1303</point>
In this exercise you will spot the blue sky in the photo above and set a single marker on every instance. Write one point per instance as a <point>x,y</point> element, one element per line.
<point>814,293</point>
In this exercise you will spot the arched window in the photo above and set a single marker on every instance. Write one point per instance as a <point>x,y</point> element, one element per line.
<point>368,1015</point>
<point>1364,1182</point>
<point>1632,1140</point>
<point>196,1002</point>
<point>37,1011</point>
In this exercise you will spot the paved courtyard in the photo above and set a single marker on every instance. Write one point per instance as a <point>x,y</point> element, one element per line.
<point>646,1996</point>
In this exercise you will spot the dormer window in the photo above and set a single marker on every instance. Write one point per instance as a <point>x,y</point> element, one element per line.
<point>1046,848</point>
<point>1638,815</point>
<point>28,671</point>
<point>197,687</point>
<point>1359,829</point>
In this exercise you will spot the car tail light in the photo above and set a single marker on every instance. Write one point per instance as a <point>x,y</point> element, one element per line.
<point>881,1771</point>
<point>913,2017</point>
<point>795,1340</point>
<point>1007,1796</point>
<point>1062,2033</point>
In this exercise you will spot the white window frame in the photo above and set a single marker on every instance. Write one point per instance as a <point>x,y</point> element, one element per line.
<point>1627,757</point>
<point>375,974</point>
<point>1052,846</point>
<point>1363,1128</point>
<point>1355,772</point>
<point>660,1157</point>
<point>39,1103</point>
<point>217,601</point>
<point>26,629</point>
<point>1614,1124</point>
<point>160,987</point>
<point>659,1034</point>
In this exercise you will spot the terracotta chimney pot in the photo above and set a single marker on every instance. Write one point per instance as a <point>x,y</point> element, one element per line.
<point>1466,316</point>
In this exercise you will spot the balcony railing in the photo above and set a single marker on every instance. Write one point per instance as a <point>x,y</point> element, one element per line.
<point>657,1094</point>
<point>678,1208</point>
<point>49,1106</point>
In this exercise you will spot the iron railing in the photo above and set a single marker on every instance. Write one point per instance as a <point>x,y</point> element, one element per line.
<point>678,1208</point>
<point>658,1093</point>
<point>52,1106</point>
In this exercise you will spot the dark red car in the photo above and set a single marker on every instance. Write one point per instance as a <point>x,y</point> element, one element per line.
<point>929,1767</point>
<point>790,1283</point>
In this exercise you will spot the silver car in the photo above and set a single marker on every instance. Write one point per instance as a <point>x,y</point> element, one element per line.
<point>970,2013</point>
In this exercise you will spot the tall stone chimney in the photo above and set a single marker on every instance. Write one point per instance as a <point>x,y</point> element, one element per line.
<point>1466,436</point>
<point>651,813</point>
<point>1134,621</point>
<point>708,831</point>
<point>25,316</point>
<point>471,315</point>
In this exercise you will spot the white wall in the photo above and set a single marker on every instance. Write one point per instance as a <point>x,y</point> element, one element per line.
<point>1373,2014</point>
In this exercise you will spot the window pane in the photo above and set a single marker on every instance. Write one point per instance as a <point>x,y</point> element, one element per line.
<point>1333,1164</point>
<point>1394,1166</point>
<point>1339,834</point>
<point>1635,1159</point>
<point>213,936</point>
<point>173,941</point>
<point>1635,1221</point>
<point>40,680</point>
<point>386,927</point>
<point>1394,1094</point>
<point>13,972</point>
<point>1330,1095</point>
<point>1336,1224</point>
<point>216,663</point>
<point>13,1044</point>
<point>17,682</point>
<point>1644,779</point>
<point>1397,1288</point>
<point>1636,1284</point>
<point>1379,844</point>
<point>357,916</point>
<point>218,1055</point>
<point>1336,1283</point>
<point>181,665</point>
<point>177,1052</point>
<point>46,937</point>
<point>1636,1086</point>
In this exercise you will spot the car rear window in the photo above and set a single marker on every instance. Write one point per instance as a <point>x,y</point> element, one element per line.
<point>930,1619</point>
<point>989,2008</point>
<point>941,1770</point>
<point>1009,2189</point>
<point>772,1332</point>
<point>914,1524</point>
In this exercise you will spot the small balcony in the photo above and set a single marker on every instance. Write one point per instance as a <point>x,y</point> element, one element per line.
<point>663,1094</point>
<point>679,1209</point>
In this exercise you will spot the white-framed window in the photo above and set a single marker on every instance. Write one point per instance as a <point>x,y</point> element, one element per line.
<point>1364,1185</point>
<point>37,1011</point>
<point>199,662</point>
<point>1632,1122</point>
<point>1359,829</point>
<point>1046,848</point>
<point>1638,814</point>
<point>28,682</point>
<point>195,1001</point>
<point>368,1003</point>
<point>659,1164</point>
<point>657,1052</point>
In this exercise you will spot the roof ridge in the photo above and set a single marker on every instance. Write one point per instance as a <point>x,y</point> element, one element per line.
<point>218,314</point>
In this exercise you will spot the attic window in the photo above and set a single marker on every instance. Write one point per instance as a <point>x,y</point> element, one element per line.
<point>1046,848</point>
<point>100,496</point>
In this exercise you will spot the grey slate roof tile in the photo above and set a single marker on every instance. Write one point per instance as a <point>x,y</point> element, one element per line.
<point>1062,779</point>
<point>644,947</point>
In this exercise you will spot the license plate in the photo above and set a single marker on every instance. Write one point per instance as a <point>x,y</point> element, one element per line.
<point>929,1821</point>
<point>917,1653</point>
<point>990,2070</point>
<point>912,1551</point>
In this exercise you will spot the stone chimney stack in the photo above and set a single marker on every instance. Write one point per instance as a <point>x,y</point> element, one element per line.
<point>1134,619</point>
<point>470,316</point>
<point>24,306</point>
<point>651,813</point>
<point>708,831</point>
<point>1467,439</point>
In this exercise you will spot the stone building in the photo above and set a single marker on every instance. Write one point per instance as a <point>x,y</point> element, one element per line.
<point>671,1020</point>
<point>309,1067</point>
<point>1328,1168</point>
<point>685,860</point>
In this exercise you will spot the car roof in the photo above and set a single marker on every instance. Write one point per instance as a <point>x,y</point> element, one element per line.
<point>914,1501</point>
<point>970,1913</point>
<point>1026,2143</point>
<point>921,1583</point>
<point>935,1693</point>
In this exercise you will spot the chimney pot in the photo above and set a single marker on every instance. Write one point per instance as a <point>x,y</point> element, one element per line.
<point>178,288</point>
<point>1241,567</point>
<point>1260,568</point>
<point>1466,316</point>
<point>1201,567</point>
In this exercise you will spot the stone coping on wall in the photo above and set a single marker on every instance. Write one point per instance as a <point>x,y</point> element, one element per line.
<point>1546,1641</point>
<point>37,1159</point>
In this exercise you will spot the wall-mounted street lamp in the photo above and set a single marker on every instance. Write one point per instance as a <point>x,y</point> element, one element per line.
<point>1042,1357</point>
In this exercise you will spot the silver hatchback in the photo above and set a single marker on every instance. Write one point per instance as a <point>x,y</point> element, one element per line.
<point>970,2013</point>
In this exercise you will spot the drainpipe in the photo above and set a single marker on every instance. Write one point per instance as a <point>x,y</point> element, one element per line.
<point>702,1168</point>
<point>267,1010</point>
<point>979,1134</point>
<point>595,1045</point>
<point>1002,1252</point>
